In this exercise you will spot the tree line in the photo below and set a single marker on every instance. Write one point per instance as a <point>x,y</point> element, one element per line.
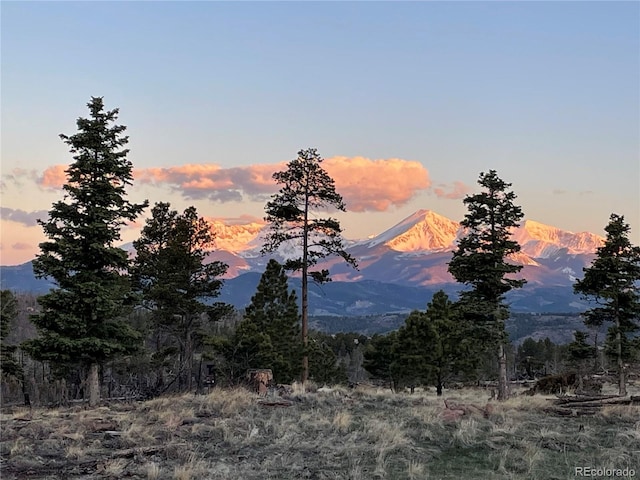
<point>159,309</point>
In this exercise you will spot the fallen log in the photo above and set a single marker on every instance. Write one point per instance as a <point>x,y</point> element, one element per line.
<point>569,412</point>
<point>583,398</point>
<point>599,402</point>
<point>275,403</point>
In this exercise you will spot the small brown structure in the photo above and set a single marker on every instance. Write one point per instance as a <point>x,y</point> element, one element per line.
<point>260,379</point>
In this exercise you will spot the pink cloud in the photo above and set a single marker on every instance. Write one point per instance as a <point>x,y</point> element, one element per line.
<point>455,192</point>
<point>376,185</point>
<point>213,181</point>
<point>365,184</point>
<point>53,177</point>
<point>21,246</point>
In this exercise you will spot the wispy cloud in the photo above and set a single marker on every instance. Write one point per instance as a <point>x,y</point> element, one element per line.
<point>17,176</point>
<point>455,191</point>
<point>21,246</point>
<point>28,219</point>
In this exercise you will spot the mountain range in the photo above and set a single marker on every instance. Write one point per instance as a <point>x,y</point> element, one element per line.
<point>399,269</point>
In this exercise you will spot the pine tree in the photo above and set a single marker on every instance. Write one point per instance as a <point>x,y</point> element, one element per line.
<point>409,364</point>
<point>8,311</point>
<point>82,322</point>
<point>448,346</point>
<point>378,356</point>
<point>269,334</point>
<point>176,283</point>
<point>531,357</point>
<point>432,346</point>
<point>612,281</point>
<point>480,262</point>
<point>293,214</point>
<point>324,367</point>
<point>578,353</point>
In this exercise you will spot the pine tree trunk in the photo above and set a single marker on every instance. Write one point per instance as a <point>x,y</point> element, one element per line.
<point>305,325</point>
<point>503,392</point>
<point>305,291</point>
<point>580,380</point>
<point>189,360</point>
<point>93,385</point>
<point>622,384</point>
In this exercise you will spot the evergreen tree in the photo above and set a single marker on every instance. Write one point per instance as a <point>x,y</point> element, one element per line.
<point>447,352</point>
<point>176,282</point>
<point>82,322</point>
<point>531,357</point>
<point>409,364</point>
<point>378,356</point>
<point>612,281</point>
<point>480,262</point>
<point>269,334</point>
<point>293,213</point>
<point>8,311</point>
<point>579,352</point>
<point>432,346</point>
<point>324,367</point>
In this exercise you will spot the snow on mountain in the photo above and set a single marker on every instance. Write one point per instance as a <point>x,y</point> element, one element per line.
<point>423,231</point>
<point>542,241</point>
<point>236,238</point>
<point>426,231</point>
<point>416,251</point>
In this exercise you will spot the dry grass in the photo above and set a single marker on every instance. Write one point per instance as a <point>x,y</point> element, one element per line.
<point>325,434</point>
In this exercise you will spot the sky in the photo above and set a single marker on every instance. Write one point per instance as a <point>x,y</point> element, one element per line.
<point>407,102</point>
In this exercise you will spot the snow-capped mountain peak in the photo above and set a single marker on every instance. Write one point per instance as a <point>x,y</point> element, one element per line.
<point>422,231</point>
<point>236,238</point>
<point>541,241</point>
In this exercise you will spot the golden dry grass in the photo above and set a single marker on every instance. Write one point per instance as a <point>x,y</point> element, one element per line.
<point>335,433</point>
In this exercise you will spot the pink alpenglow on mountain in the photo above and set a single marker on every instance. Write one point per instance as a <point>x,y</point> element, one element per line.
<point>236,238</point>
<point>423,231</point>
<point>541,241</point>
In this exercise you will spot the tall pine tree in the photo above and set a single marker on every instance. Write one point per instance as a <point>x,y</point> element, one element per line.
<point>294,215</point>
<point>269,334</point>
<point>176,282</point>
<point>612,281</point>
<point>480,261</point>
<point>81,322</point>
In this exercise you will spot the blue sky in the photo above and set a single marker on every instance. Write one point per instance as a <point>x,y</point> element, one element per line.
<point>546,93</point>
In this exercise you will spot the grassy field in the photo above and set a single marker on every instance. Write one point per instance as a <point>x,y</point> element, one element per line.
<point>334,434</point>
